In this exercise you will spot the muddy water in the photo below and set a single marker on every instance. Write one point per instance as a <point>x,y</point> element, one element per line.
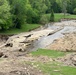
<point>47,40</point>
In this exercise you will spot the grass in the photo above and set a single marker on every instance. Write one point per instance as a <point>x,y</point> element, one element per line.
<point>59,16</point>
<point>50,53</point>
<point>25,28</point>
<point>53,67</point>
<point>29,27</point>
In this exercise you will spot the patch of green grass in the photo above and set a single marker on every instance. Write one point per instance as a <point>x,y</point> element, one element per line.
<point>50,53</point>
<point>59,16</point>
<point>54,68</point>
<point>25,28</point>
<point>51,67</point>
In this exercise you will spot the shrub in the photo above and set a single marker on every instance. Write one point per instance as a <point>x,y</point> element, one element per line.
<point>74,11</point>
<point>44,19</point>
<point>52,16</point>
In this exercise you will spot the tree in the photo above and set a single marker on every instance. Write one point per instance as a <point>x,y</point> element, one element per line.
<point>44,19</point>
<point>32,15</point>
<point>74,11</point>
<point>19,8</point>
<point>39,5</point>
<point>71,5</point>
<point>5,15</point>
<point>52,16</point>
<point>64,7</point>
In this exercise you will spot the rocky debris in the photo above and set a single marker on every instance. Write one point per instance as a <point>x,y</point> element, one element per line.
<point>44,59</point>
<point>24,41</point>
<point>66,23</point>
<point>58,29</point>
<point>4,37</point>
<point>18,67</point>
<point>22,72</point>
<point>66,43</point>
<point>67,19</point>
<point>1,54</point>
<point>69,59</point>
<point>1,73</point>
<point>28,35</point>
<point>19,73</point>
<point>9,45</point>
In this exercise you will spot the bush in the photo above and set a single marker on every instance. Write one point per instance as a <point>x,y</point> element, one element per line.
<point>32,16</point>
<point>52,16</point>
<point>44,19</point>
<point>74,11</point>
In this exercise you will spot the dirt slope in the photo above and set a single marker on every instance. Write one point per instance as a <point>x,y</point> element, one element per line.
<point>66,43</point>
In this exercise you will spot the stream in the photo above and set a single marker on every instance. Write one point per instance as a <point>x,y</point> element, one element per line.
<point>47,40</point>
<point>40,38</point>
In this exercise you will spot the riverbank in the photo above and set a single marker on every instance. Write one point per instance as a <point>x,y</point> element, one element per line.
<point>25,28</point>
<point>20,54</point>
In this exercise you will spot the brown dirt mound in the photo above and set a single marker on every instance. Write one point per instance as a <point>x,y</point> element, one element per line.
<point>18,67</point>
<point>67,43</point>
<point>69,59</point>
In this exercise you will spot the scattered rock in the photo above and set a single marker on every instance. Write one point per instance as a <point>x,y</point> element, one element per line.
<point>2,73</point>
<point>9,45</point>
<point>1,54</point>
<point>28,35</point>
<point>56,70</point>
<point>69,59</point>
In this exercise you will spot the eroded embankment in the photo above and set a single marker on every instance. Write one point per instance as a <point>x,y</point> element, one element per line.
<point>13,50</point>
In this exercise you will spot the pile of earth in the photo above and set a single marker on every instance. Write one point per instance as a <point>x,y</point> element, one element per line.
<point>19,66</point>
<point>3,39</point>
<point>66,43</point>
<point>69,59</point>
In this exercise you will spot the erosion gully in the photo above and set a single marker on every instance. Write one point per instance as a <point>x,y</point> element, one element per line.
<point>48,40</point>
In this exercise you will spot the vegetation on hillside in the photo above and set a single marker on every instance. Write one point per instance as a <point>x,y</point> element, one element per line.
<point>16,13</point>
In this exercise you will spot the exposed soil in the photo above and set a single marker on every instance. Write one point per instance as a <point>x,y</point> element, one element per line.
<point>66,43</point>
<point>69,59</point>
<point>14,51</point>
<point>13,54</point>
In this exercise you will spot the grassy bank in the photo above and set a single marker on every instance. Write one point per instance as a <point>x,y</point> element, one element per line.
<point>29,27</point>
<point>25,28</point>
<point>52,67</point>
<point>50,53</point>
<point>59,16</point>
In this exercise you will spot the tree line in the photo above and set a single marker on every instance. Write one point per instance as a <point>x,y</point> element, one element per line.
<point>15,13</point>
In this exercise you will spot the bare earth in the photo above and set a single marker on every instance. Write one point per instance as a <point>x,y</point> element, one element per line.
<point>66,43</point>
<point>14,51</point>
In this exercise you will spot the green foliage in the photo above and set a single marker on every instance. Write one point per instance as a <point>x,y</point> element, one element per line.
<point>64,7</point>
<point>50,53</point>
<point>74,11</point>
<point>5,15</point>
<point>19,8</point>
<point>71,6</point>
<point>51,67</point>
<point>15,13</point>
<point>25,28</point>
<point>59,16</point>
<point>54,68</point>
<point>32,16</point>
<point>52,16</point>
<point>44,19</point>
